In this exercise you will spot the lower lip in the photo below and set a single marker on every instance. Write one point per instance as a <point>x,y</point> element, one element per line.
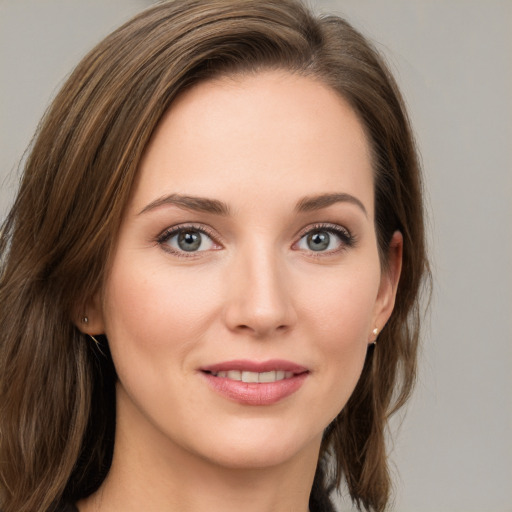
<point>249,393</point>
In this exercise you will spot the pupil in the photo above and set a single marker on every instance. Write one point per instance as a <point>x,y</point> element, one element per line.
<point>318,241</point>
<point>189,241</point>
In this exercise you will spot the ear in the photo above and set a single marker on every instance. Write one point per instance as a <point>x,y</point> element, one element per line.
<point>89,316</point>
<point>388,284</point>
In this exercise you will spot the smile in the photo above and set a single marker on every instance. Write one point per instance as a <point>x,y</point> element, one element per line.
<point>255,383</point>
<point>260,377</point>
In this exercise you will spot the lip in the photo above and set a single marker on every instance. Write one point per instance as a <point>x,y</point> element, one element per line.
<point>255,366</point>
<point>248,393</point>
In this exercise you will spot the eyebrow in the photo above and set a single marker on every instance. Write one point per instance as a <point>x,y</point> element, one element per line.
<point>308,204</point>
<point>203,204</point>
<point>198,204</point>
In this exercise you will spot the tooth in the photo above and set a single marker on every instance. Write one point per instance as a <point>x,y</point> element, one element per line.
<point>249,377</point>
<point>234,375</point>
<point>280,374</point>
<point>267,376</point>
<point>221,374</point>
<point>288,375</point>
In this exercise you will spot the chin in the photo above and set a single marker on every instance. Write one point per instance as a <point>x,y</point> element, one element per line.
<point>253,457</point>
<point>260,449</point>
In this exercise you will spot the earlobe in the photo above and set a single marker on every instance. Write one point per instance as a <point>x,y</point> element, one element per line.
<point>389,281</point>
<point>89,317</point>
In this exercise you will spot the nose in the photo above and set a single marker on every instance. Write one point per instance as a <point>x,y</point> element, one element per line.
<point>259,300</point>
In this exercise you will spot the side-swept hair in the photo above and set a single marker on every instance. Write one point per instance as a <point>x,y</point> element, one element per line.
<point>57,396</point>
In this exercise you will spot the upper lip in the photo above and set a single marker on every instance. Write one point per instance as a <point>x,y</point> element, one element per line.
<point>255,366</point>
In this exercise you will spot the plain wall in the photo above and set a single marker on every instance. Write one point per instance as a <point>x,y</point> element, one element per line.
<point>453,61</point>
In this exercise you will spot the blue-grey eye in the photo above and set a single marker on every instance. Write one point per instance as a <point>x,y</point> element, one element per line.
<point>320,240</point>
<point>190,240</point>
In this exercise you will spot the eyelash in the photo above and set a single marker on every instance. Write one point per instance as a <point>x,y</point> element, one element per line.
<point>347,240</point>
<point>166,235</point>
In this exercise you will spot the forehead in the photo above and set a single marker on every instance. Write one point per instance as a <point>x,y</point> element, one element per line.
<point>288,134</point>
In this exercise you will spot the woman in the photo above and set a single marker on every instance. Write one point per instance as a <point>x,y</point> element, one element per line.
<point>210,274</point>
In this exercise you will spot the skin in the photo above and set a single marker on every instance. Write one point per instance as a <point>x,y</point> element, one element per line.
<point>254,290</point>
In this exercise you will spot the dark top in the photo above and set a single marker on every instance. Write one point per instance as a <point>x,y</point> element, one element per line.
<point>68,507</point>
<point>316,504</point>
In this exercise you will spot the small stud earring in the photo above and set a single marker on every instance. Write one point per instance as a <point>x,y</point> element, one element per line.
<point>85,320</point>
<point>375,332</point>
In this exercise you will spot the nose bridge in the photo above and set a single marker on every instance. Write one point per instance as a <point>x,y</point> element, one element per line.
<point>259,299</point>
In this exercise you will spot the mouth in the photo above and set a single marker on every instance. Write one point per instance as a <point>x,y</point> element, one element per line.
<point>248,371</point>
<point>255,383</point>
<point>254,377</point>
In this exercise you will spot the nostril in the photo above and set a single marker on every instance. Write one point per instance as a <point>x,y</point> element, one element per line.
<point>261,330</point>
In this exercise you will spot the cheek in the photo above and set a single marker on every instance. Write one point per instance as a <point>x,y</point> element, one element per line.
<point>158,311</point>
<point>340,321</point>
<point>341,305</point>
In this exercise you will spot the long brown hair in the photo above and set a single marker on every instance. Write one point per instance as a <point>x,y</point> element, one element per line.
<point>57,399</point>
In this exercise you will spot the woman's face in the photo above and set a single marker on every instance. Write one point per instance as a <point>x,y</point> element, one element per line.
<point>246,281</point>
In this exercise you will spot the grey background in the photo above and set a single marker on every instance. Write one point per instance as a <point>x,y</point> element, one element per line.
<point>452,58</point>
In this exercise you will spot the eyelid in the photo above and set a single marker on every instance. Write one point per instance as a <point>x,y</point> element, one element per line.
<point>171,231</point>
<point>327,226</point>
<point>347,239</point>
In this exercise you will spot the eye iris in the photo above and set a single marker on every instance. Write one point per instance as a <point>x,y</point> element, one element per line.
<point>189,241</point>
<point>318,240</point>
